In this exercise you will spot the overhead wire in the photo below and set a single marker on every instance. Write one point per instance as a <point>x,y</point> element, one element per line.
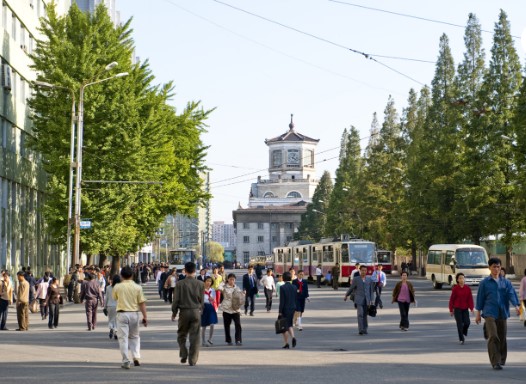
<point>364,54</point>
<point>410,16</point>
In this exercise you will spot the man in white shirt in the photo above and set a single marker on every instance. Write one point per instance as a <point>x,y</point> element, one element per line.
<point>269,286</point>
<point>319,275</point>
<point>380,279</point>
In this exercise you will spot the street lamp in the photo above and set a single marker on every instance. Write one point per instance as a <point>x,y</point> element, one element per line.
<point>71,162</point>
<point>80,133</point>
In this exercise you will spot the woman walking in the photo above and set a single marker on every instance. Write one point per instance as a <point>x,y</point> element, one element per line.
<point>287,308</point>
<point>110,305</point>
<point>170,283</point>
<point>217,279</point>
<point>404,295</point>
<point>460,302</point>
<point>522,295</point>
<point>209,315</point>
<point>52,302</point>
<point>232,298</point>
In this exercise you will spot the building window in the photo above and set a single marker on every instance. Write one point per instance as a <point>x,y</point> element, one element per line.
<point>261,253</point>
<point>294,195</point>
<point>246,239</point>
<point>289,239</point>
<point>308,158</point>
<point>274,239</point>
<point>276,158</point>
<point>261,239</point>
<point>246,225</point>
<point>260,225</point>
<point>268,195</point>
<point>246,257</point>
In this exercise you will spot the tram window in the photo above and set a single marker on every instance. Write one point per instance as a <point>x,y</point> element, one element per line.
<point>280,257</point>
<point>288,258</point>
<point>345,254</point>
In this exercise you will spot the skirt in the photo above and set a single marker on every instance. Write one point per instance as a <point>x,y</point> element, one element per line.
<point>209,315</point>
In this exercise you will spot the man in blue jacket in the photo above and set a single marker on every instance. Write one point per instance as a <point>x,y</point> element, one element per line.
<point>493,300</point>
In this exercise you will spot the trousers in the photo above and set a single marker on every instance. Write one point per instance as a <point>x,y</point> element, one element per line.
<point>4,310</point>
<point>128,335</point>
<point>227,320</point>
<point>404,314</point>
<point>462,319</point>
<point>496,330</point>
<point>22,315</point>
<point>189,326</point>
<point>268,297</point>
<point>91,313</point>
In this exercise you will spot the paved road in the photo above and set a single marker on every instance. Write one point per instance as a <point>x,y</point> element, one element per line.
<point>329,349</point>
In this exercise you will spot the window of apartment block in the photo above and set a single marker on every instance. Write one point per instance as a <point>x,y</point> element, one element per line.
<point>274,239</point>
<point>289,238</point>
<point>4,15</point>
<point>261,253</point>
<point>261,239</point>
<point>246,257</point>
<point>260,225</point>
<point>246,225</point>
<point>246,239</point>
<point>14,25</point>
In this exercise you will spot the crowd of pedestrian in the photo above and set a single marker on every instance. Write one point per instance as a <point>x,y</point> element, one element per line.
<point>196,297</point>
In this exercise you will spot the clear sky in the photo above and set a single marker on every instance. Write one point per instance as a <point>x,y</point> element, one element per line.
<point>296,57</point>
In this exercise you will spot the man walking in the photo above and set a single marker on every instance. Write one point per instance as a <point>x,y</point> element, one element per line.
<point>22,302</point>
<point>92,294</point>
<point>493,300</point>
<point>379,279</point>
<point>269,287</point>
<point>188,300</point>
<point>363,288</point>
<point>250,288</point>
<point>130,300</point>
<point>335,276</point>
<point>319,275</point>
<point>6,297</point>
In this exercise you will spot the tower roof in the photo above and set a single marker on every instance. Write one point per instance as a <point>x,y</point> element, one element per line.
<point>291,136</point>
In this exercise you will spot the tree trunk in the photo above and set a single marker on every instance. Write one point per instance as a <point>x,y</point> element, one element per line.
<point>102,259</point>
<point>115,265</point>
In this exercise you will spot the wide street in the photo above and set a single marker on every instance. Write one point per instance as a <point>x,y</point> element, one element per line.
<point>329,348</point>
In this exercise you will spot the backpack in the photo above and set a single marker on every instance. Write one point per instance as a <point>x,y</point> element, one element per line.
<point>67,280</point>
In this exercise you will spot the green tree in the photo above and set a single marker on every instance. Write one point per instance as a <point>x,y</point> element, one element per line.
<point>343,210</point>
<point>472,185</point>
<point>215,252</point>
<point>131,134</point>
<point>314,220</point>
<point>501,85</point>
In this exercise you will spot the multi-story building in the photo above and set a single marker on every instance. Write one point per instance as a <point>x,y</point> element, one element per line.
<point>276,204</point>
<point>223,234</point>
<point>90,5</point>
<point>22,181</point>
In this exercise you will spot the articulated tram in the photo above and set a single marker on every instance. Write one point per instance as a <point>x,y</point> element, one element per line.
<point>305,256</point>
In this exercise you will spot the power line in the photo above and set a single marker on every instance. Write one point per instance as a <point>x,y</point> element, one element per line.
<point>409,16</point>
<point>366,55</point>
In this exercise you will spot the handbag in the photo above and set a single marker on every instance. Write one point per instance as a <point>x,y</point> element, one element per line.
<point>34,307</point>
<point>60,300</point>
<point>371,311</point>
<point>281,325</point>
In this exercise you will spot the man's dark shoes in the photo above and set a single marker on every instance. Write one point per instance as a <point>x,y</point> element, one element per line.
<point>136,363</point>
<point>497,367</point>
<point>183,360</point>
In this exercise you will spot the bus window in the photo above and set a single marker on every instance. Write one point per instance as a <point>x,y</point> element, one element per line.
<point>471,257</point>
<point>362,253</point>
<point>449,256</point>
<point>345,254</point>
<point>305,257</point>
<point>328,255</point>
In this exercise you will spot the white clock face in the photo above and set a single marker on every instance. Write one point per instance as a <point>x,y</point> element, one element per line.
<point>293,157</point>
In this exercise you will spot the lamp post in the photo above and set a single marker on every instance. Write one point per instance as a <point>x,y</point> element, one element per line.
<point>71,163</point>
<point>78,180</point>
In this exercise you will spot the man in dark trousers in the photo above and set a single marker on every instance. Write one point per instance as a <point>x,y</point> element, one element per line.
<point>92,294</point>
<point>287,307</point>
<point>250,288</point>
<point>363,288</point>
<point>188,302</point>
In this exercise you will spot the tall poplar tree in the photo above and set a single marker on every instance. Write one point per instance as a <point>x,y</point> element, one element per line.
<point>501,85</point>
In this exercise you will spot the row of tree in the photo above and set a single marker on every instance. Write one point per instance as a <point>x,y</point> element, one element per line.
<point>451,168</point>
<point>131,134</point>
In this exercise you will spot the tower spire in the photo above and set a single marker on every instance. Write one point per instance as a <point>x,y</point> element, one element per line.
<point>291,125</point>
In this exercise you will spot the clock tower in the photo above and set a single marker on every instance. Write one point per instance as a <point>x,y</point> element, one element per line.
<point>292,171</point>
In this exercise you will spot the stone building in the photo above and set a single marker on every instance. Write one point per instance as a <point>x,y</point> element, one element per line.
<point>276,204</point>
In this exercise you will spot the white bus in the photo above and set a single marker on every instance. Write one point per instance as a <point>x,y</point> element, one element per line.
<point>444,261</point>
